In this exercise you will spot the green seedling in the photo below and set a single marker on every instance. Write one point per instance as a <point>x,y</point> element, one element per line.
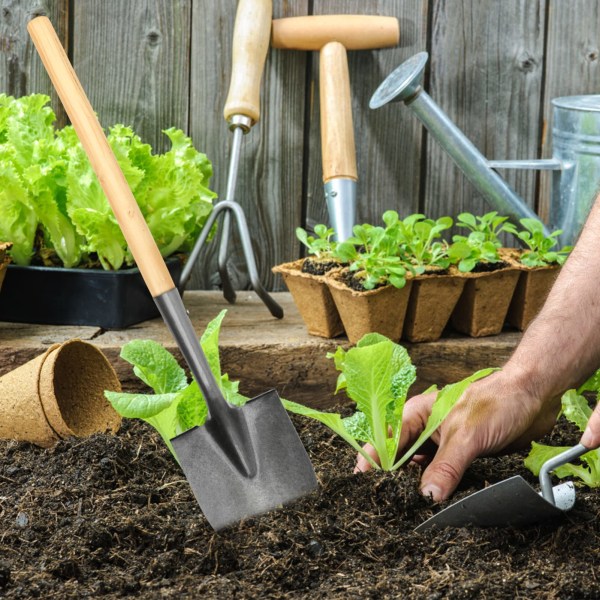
<point>540,251</point>
<point>376,375</point>
<point>420,239</point>
<point>322,245</point>
<point>488,227</point>
<point>375,257</point>
<point>576,410</point>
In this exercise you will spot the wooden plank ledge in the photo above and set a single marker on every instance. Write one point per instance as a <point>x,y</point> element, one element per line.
<point>259,350</point>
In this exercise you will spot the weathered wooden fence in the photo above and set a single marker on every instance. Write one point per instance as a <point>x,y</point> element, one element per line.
<point>494,67</point>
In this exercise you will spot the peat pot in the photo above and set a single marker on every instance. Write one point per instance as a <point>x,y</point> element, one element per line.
<point>432,301</point>
<point>59,296</point>
<point>381,310</point>
<point>532,289</point>
<point>483,305</point>
<point>312,298</point>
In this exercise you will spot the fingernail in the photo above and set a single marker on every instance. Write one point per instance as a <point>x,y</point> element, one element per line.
<point>430,490</point>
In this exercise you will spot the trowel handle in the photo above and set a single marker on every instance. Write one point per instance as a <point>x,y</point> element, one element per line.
<point>105,165</point>
<point>251,35</point>
<point>337,132</point>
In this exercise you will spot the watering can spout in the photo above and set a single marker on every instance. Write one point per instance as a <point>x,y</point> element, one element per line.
<point>404,84</point>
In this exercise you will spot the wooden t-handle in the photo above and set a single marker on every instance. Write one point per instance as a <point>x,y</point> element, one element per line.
<point>105,165</point>
<point>337,132</point>
<point>251,35</point>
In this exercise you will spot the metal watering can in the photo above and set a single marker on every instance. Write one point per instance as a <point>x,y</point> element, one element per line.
<point>575,162</point>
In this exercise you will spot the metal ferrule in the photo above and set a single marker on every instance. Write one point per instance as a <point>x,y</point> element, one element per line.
<point>554,463</point>
<point>340,195</point>
<point>240,122</point>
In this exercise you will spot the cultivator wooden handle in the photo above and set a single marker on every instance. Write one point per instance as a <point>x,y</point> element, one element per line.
<point>250,44</point>
<point>337,132</point>
<point>105,165</point>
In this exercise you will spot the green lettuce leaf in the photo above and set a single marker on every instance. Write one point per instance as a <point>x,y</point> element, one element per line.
<point>377,374</point>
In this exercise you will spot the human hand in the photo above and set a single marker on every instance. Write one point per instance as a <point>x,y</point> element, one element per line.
<point>591,436</point>
<point>498,413</point>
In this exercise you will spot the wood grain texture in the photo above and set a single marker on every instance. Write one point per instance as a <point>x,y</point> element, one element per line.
<point>260,351</point>
<point>269,181</point>
<point>387,142</point>
<point>485,72</point>
<point>133,61</point>
<point>21,71</point>
<point>572,66</point>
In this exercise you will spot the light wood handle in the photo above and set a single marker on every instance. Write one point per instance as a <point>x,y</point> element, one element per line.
<point>105,165</point>
<point>355,32</point>
<point>337,132</point>
<point>250,44</point>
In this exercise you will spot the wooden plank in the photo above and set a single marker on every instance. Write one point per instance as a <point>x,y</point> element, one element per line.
<point>133,61</point>
<point>486,75</point>
<point>388,141</point>
<point>21,71</point>
<point>269,181</point>
<point>572,66</point>
<point>260,351</point>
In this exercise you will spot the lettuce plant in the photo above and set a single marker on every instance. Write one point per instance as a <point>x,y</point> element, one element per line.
<point>376,374</point>
<point>322,245</point>
<point>176,404</point>
<point>375,257</point>
<point>576,409</point>
<point>540,251</point>
<point>483,241</point>
<point>420,239</point>
<point>51,201</point>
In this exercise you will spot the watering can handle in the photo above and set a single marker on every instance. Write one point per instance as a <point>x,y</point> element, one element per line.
<point>104,163</point>
<point>251,36</point>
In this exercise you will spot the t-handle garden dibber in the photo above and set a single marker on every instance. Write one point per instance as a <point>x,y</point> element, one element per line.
<point>250,44</point>
<point>332,36</point>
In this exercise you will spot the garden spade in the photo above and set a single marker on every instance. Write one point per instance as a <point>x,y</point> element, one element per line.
<point>245,460</point>
<point>512,502</point>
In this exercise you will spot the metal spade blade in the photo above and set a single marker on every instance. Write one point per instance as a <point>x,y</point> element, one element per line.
<point>277,469</point>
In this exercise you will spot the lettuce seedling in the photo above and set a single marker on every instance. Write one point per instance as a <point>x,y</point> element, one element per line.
<point>576,409</point>
<point>376,375</point>
<point>322,245</point>
<point>375,257</point>
<point>176,405</point>
<point>540,251</point>
<point>419,237</point>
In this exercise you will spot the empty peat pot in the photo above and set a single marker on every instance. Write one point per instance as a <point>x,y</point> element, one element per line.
<point>57,395</point>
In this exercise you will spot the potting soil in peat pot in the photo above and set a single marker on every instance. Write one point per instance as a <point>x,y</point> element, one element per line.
<point>113,516</point>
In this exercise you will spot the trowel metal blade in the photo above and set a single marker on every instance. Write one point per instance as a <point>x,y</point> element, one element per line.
<point>512,502</point>
<point>227,495</point>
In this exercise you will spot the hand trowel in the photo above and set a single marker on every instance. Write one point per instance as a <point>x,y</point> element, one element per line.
<point>512,502</point>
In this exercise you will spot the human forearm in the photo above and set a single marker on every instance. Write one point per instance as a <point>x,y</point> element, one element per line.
<point>561,348</point>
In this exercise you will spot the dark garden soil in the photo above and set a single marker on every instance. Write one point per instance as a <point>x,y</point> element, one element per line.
<point>112,516</point>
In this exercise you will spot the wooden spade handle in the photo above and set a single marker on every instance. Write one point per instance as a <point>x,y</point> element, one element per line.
<point>337,132</point>
<point>251,35</point>
<point>355,32</point>
<point>104,163</point>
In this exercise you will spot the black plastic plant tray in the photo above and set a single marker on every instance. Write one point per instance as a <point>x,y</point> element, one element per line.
<point>59,296</point>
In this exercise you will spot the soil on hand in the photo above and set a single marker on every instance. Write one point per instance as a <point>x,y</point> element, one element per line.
<point>113,516</point>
